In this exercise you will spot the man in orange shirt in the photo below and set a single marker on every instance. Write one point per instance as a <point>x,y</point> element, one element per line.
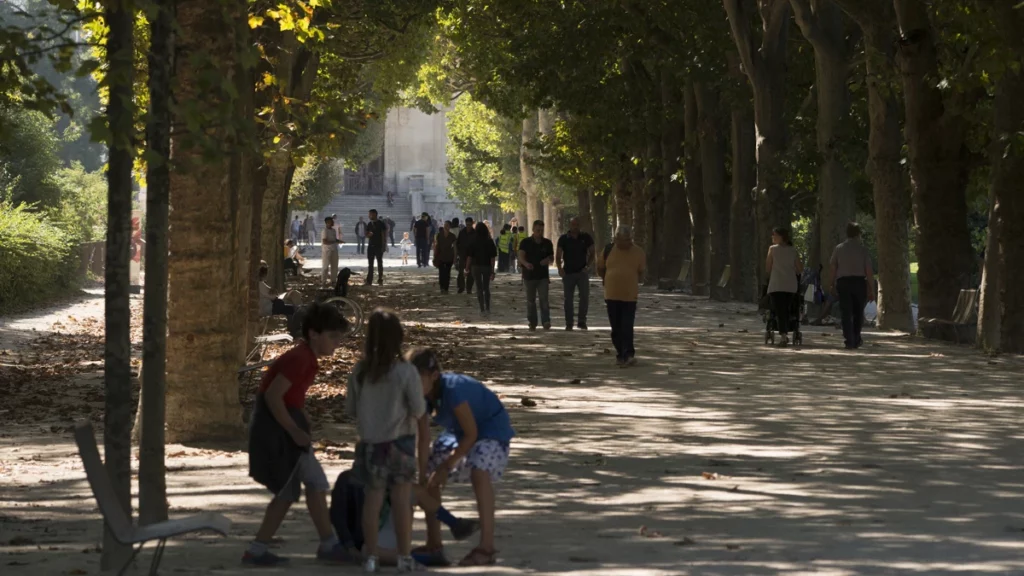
<point>621,267</point>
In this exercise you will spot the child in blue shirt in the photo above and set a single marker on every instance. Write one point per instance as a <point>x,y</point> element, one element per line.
<point>474,446</point>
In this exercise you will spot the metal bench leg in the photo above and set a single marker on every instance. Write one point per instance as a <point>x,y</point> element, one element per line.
<point>158,556</point>
<point>135,552</point>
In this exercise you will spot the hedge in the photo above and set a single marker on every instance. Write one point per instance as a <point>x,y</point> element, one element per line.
<point>38,260</point>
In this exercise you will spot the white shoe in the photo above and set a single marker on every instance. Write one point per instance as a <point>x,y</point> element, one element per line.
<point>408,564</point>
<point>371,565</point>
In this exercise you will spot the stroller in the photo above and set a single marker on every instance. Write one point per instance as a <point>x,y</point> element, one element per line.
<point>796,313</point>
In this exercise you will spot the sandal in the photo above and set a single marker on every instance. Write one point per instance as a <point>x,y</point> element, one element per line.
<point>480,557</point>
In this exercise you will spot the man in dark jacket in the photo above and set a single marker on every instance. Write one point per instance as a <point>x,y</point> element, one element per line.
<point>375,232</point>
<point>464,281</point>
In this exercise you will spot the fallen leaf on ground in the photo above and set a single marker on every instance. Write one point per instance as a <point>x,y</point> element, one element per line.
<point>709,475</point>
<point>686,541</point>
<point>528,402</point>
<point>646,533</point>
<point>732,546</point>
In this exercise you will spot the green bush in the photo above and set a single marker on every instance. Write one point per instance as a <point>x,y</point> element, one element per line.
<point>38,261</point>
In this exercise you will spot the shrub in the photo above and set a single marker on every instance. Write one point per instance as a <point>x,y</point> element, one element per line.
<point>38,261</point>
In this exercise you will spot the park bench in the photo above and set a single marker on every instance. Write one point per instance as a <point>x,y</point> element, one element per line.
<point>961,327</point>
<point>118,522</point>
<point>726,275</point>
<point>678,282</point>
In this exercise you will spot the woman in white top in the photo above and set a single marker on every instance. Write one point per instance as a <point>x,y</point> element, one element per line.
<point>784,268</point>
<point>272,304</point>
<point>330,241</point>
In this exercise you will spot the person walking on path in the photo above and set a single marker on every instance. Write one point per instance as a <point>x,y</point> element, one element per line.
<point>513,246</point>
<point>853,281</point>
<point>783,267</point>
<point>391,229</point>
<point>621,267</point>
<point>504,246</point>
<point>329,244</point>
<point>464,281</point>
<point>296,229</point>
<point>421,235</point>
<point>573,256</point>
<point>310,231</point>
<point>480,262</point>
<point>444,256</point>
<point>360,231</point>
<point>376,246</point>
<point>536,254</point>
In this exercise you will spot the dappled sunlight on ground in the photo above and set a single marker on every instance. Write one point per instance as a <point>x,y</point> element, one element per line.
<point>715,455</point>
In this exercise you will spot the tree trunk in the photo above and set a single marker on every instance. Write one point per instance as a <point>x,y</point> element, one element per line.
<point>599,216</point>
<point>888,178</point>
<point>117,348</point>
<point>583,210</point>
<point>527,178</point>
<point>549,220</point>
<point>205,313</point>
<point>152,471</point>
<point>700,262</point>
<point>990,306</point>
<point>275,215</point>
<point>677,243</point>
<point>638,183</point>
<point>624,197</point>
<point>655,208</point>
<point>1007,175</point>
<point>716,195</point>
<point>765,66</point>
<point>935,135</point>
<point>743,223</point>
<point>821,22</point>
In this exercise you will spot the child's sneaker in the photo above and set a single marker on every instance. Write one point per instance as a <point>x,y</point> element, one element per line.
<point>372,565</point>
<point>464,528</point>
<point>338,554</point>
<point>407,564</point>
<point>267,559</point>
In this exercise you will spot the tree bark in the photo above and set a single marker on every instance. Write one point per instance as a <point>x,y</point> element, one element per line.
<point>275,215</point>
<point>990,311</point>
<point>152,470</point>
<point>717,196</point>
<point>935,134</point>
<point>743,222</point>
<point>676,244</point>
<point>655,208</point>
<point>205,317</point>
<point>117,349</point>
<point>1007,175</point>
<point>765,66</point>
<point>821,22</point>
<point>623,196</point>
<point>700,261</point>
<point>527,179</point>
<point>599,215</point>
<point>638,183</point>
<point>583,210</point>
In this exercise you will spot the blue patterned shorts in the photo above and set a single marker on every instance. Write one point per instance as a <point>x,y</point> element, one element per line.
<point>488,455</point>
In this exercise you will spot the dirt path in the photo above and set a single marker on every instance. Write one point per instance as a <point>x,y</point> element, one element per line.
<point>715,455</point>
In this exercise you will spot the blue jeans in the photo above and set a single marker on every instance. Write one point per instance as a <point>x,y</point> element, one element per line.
<point>621,316</point>
<point>570,283</point>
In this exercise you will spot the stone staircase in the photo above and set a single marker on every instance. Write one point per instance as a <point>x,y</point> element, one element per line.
<point>350,208</point>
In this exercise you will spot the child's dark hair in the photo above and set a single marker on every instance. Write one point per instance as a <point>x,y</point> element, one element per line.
<point>383,346</point>
<point>425,360</point>
<point>323,318</point>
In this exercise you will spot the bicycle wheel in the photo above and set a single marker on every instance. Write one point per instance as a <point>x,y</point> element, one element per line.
<point>350,310</point>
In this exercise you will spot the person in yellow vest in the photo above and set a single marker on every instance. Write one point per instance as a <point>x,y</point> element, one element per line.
<point>504,240</point>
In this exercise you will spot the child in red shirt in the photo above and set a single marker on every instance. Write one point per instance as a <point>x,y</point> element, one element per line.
<point>280,455</point>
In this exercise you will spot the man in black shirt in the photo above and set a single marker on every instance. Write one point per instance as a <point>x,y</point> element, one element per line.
<point>421,230</point>
<point>375,245</point>
<point>536,254</point>
<point>573,257</point>
<point>462,243</point>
